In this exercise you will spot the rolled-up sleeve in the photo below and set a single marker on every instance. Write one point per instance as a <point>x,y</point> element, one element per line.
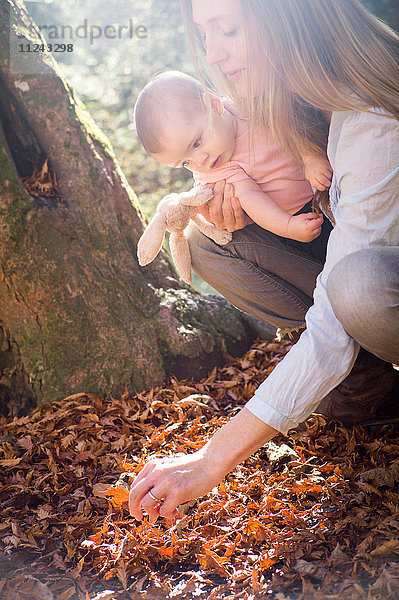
<point>364,152</point>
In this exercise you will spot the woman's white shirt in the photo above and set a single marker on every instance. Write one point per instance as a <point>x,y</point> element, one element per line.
<point>363,149</point>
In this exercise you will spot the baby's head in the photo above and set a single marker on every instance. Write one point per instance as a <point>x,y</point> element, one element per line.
<point>180,125</point>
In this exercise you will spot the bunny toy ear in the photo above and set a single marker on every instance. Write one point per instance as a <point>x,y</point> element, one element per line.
<point>151,241</point>
<point>180,251</point>
<point>197,196</point>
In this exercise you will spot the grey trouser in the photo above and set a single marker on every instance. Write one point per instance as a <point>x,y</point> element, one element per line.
<point>262,274</point>
<point>363,289</point>
<point>273,278</point>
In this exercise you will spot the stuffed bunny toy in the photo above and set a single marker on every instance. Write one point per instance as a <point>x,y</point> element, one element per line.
<point>173,214</point>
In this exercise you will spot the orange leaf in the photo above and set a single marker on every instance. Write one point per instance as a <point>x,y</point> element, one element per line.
<point>167,551</point>
<point>266,561</point>
<point>44,170</point>
<point>129,467</point>
<point>255,579</point>
<point>117,495</point>
<point>222,488</point>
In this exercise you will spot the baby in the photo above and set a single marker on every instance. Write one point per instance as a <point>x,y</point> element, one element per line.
<point>180,125</point>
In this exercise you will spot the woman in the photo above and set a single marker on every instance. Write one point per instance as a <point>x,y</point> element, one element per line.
<point>278,59</point>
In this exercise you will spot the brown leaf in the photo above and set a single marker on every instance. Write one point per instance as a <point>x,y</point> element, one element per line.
<point>100,489</point>
<point>381,476</point>
<point>11,462</point>
<point>25,587</point>
<point>386,549</point>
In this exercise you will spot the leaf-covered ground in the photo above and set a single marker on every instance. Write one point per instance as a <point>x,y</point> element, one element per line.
<point>313,515</point>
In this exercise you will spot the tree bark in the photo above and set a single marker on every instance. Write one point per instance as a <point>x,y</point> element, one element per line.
<point>77,313</point>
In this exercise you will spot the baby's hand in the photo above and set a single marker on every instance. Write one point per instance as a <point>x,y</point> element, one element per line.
<point>318,172</point>
<point>304,227</point>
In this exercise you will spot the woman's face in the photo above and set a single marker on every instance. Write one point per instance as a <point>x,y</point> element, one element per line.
<point>221,23</point>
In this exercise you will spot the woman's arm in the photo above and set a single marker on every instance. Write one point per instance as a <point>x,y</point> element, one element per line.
<point>178,479</point>
<point>366,167</point>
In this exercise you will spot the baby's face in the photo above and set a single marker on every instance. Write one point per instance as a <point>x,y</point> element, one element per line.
<point>196,143</point>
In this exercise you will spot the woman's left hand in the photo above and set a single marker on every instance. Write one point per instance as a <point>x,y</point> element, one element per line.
<point>224,209</point>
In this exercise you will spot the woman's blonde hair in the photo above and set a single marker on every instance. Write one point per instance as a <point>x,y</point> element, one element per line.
<point>320,55</point>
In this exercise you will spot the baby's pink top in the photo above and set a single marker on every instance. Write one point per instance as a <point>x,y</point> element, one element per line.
<point>281,177</point>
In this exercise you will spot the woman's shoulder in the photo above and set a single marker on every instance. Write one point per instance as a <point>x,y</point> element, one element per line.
<point>375,116</point>
<point>362,130</point>
<point>363,147</point>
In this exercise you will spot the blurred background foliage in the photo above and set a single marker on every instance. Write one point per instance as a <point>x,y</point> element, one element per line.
<point>109,73</point>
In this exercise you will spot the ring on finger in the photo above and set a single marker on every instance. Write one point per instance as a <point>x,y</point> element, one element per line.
<point>154,497</point>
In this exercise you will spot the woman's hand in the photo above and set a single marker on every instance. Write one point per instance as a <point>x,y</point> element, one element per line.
<point>165,483</point>
<point>224,209</point>
<point>171,480</point>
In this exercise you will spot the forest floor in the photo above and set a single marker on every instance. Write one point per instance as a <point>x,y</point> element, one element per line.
<point>313,515</point>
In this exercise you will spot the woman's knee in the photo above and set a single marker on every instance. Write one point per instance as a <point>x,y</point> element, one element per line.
<point>363,289</point>
<point>366,280</point>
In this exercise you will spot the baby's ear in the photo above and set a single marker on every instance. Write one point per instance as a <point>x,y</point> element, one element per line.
<point>212,101</point>
<point>151,241</point>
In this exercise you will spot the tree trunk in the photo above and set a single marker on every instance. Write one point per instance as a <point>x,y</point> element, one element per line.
<point>76,311</point>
